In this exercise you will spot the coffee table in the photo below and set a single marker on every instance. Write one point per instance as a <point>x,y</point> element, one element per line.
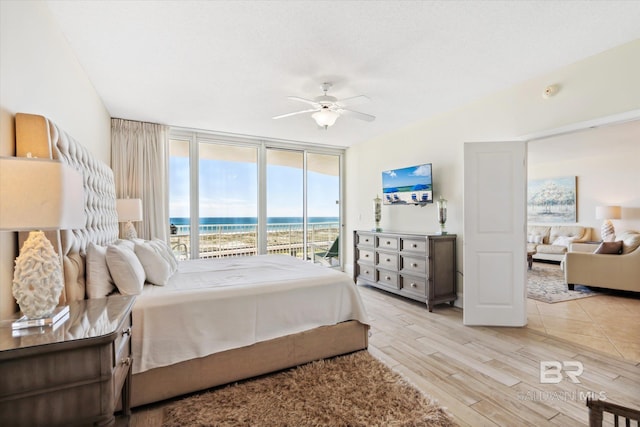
<point>530,255</point>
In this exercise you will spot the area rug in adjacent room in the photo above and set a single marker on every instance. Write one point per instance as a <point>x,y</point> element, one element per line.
<point>351,390</point>
<point>546,283</point>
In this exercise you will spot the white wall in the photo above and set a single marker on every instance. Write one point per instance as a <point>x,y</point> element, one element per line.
<point>598,86</point>
<point>40,75</point>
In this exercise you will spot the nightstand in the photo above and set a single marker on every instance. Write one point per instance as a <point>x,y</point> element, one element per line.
<point>72,373</point>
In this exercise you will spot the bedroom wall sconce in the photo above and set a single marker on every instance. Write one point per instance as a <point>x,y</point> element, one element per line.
<point>37,195</point>
<point>607,213</point>
<point>129,210</point>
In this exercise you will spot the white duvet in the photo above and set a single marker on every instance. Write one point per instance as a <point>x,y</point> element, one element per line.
<point>210,306</point>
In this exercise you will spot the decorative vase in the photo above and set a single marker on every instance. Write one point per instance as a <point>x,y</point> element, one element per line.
<point>442,214</point>
<point>37,279</point>
<point>377,212</point>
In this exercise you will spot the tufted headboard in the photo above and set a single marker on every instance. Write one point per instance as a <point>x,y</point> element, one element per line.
<point>43,139</point>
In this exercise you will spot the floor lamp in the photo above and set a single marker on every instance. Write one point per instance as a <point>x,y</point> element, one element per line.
<point>37,195</point>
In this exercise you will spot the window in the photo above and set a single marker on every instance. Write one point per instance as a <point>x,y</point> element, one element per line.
<point>238,197</point>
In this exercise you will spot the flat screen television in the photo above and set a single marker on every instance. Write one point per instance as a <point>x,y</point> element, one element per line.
<point>407,186</point>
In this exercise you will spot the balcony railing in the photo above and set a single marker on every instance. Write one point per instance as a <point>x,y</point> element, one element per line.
<point>226,240</point>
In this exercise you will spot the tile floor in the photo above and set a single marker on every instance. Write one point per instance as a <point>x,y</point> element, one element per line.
<point>607,323</point>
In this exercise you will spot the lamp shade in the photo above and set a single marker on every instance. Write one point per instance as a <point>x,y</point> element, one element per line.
<point>40,194</point>
<point>325,117</point>
<point>129,210</point>
<point>608,212</point>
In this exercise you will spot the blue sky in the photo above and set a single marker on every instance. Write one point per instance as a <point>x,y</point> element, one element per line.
<point>229,189</point>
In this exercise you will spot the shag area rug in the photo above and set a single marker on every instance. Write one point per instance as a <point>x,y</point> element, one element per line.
<point>546,283</point>
<point>352,390</point>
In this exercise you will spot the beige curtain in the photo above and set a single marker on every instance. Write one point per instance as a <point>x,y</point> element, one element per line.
<point>139,159</point>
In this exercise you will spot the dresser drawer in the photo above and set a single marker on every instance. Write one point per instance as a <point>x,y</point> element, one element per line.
<point>413,245</point>
<point>413,265</point>
<point>120,372</point>
<point>413,285</point>
<point>388,261</point>
<point>121,343</point>
<point>364,239</point>
<point>367,272</point>
<point>390,243</point>
<point>365,256</point>
<point>388,279</point>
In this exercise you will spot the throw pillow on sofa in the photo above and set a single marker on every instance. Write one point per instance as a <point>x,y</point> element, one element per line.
<point>564,240</point>
<point>610,248</point>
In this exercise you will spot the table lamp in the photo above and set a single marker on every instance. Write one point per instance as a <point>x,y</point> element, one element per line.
<point>37,195</point>
<point>607,213</point>
<point>129,210</point>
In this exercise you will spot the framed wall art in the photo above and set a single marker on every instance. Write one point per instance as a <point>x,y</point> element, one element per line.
<point>552,200</point>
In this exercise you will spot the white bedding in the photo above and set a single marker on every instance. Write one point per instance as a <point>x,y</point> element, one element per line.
<point>210,306</point>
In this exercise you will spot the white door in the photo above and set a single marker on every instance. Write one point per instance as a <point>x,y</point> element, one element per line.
<point>494,254</point>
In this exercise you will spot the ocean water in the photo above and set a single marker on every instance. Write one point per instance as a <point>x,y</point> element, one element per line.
<point>247,223</point>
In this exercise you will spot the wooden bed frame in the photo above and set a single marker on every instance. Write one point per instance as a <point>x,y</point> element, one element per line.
<point>37,135</point>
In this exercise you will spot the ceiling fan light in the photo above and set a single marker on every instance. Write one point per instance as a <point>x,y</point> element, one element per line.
<point>325,117</point>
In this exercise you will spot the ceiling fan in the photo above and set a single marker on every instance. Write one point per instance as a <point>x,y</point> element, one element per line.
<point>326,109</point>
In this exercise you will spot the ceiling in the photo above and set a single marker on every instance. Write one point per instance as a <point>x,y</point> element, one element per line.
<point>228,66</point>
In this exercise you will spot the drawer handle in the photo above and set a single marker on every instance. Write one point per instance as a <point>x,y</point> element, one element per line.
<point>388,259</point>
<point>126,332</point>
<point>366,256</point>
<point>126,361</point>
<point>414,265</point>
<point>366,272</point>
<point>366,240</point>
<point>388,242</point>
<point>413,285</point>
<point>387,277</point>
<point>414,246</point>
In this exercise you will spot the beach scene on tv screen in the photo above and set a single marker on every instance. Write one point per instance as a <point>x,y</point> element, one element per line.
<point>409,185</point>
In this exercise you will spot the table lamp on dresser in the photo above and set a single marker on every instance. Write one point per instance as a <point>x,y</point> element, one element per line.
<point>37,195</point>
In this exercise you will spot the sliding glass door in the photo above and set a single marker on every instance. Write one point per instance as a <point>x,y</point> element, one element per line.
<point>323,208</point>
<point>238,198</point>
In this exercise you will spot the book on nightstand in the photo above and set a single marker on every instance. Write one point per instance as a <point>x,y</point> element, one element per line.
<point>60,314</point>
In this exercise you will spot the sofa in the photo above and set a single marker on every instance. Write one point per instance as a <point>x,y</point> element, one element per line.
<point>614,268</point>
<point>551,242</point>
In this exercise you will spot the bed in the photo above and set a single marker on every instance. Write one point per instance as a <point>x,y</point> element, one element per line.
<point>230,325</point>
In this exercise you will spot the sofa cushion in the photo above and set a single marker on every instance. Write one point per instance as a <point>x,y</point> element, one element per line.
<point>610,248</point>
<point>538,233</point>
<point>630,241</point>
<point>577,232</point>
<point>551,249</point>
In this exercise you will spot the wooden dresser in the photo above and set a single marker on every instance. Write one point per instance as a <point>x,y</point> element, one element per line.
<point>72,373</point>
<point>417,266</point>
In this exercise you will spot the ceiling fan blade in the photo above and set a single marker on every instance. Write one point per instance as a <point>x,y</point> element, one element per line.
<point>308,101</point>
<point>297,112</point>
<point>353,100</point>
<point>356,114</point>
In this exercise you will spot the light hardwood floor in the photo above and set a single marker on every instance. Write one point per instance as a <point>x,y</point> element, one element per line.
<point>484,376</point>
<point>491,376</point>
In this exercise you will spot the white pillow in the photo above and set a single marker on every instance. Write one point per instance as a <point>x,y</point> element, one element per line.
<point>156,267</point>
<point>564,240</point>
<point>99,281</point>
<point>126,269</point>
<point>166,252</point>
